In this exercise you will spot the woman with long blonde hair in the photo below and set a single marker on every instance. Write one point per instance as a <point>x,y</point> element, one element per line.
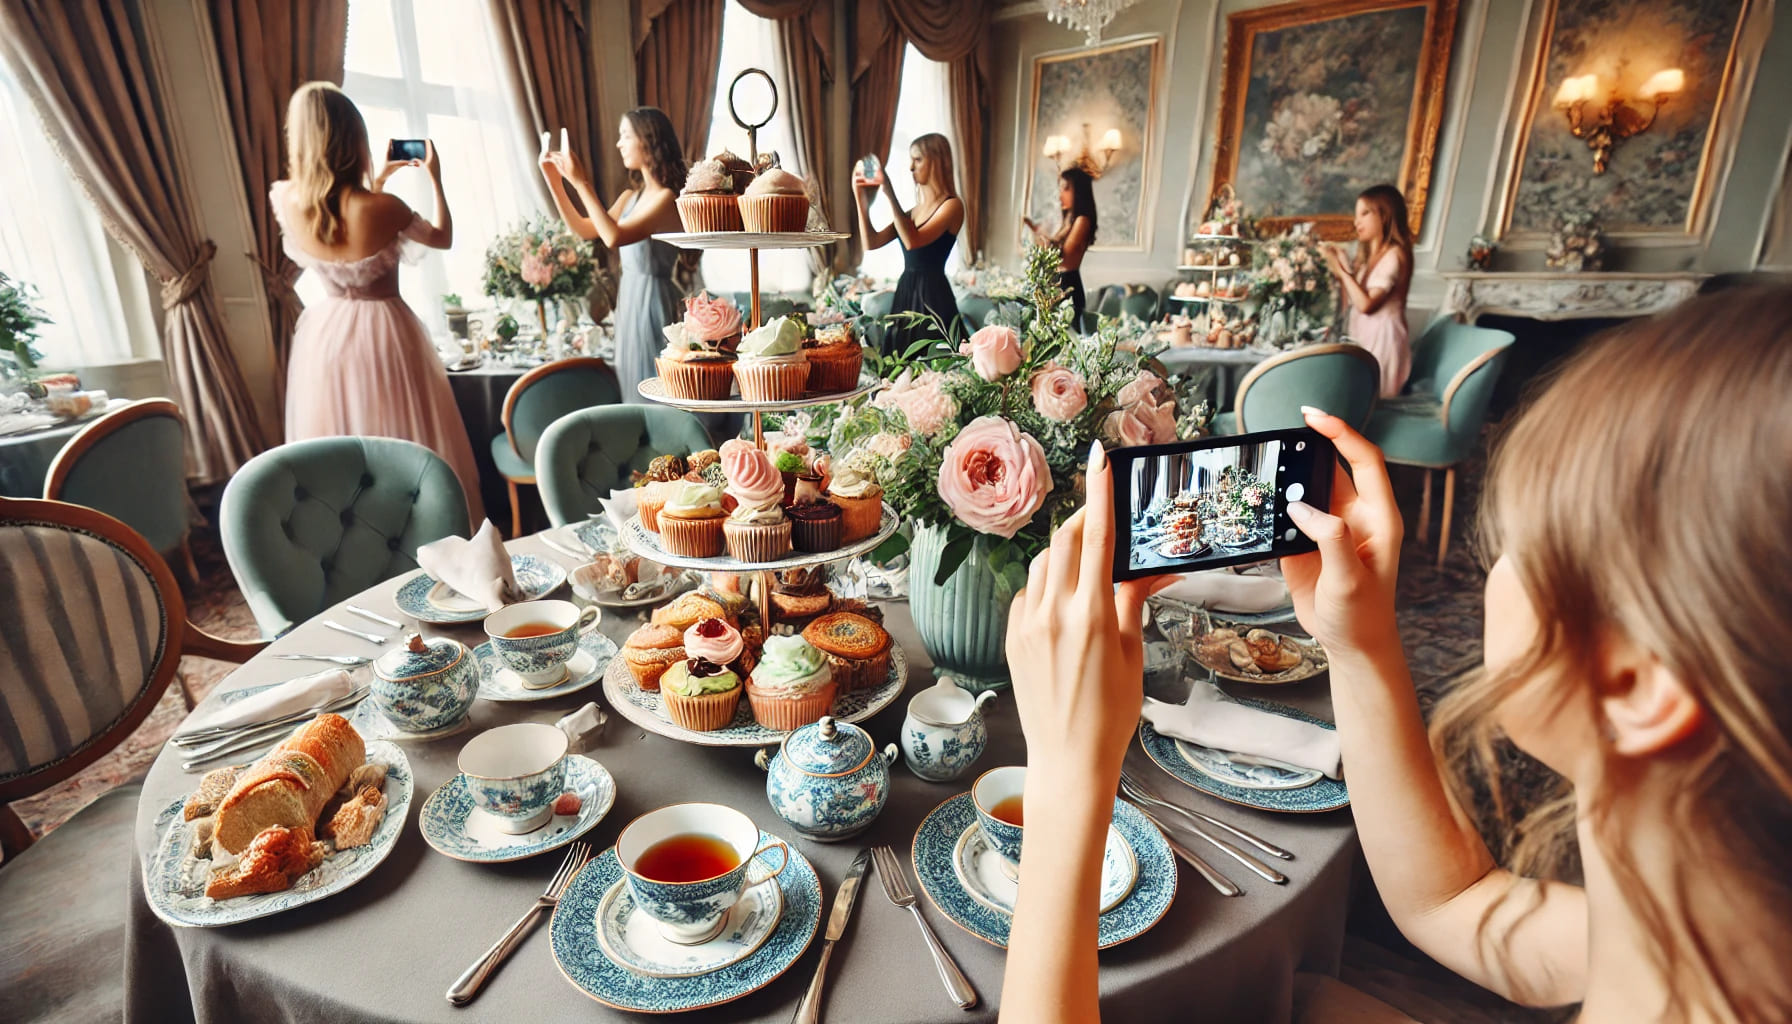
<point>927,232</point>
<point>1636,628</point>
<point>1375,284</point>
<point>362,363</point>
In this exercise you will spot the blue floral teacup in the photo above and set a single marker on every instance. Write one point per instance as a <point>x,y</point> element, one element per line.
<point>535,639</point>
<point>994,789</point>
<point>514,772</point>
<point>704,857</point>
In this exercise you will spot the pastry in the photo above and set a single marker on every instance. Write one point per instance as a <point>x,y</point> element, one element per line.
<point>354,822</point>
<point>213,788</point>
<point>771,366</point>
<point>664,468</point>
<point>649,651</point>
<point>856,649</point>
<point>701,695</point>
<point>291,783</point>
<point>792,685</point>
<point>800,594</point>
<point>815,521</point>
<point>693,369</point>
<point>276,857</point>
<point>835,357</point>
<point>738,169</point>
<point>699,462</point>
<point>691,521</point>
<point>708,201</point>
<point>861,503</point>
<point>686,610</point>
<point>775,202</point>
<point>757,530</point>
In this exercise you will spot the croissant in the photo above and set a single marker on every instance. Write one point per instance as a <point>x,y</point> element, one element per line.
<point>291,783</point>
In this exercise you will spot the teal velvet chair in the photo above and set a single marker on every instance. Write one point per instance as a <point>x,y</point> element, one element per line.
<point>537,399</point>
<point>1108,300</point>
<point>312,523</point>
<point>131,464</point>
<point>774,306</point>
<point>1455,368</point>
<point>875,307</point>
<point>1142,301</point>
<point>1341,379</point>
<point>587,454</point>
<point>975,309</point>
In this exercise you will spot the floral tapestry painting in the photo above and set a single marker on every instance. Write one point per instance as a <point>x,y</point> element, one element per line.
<point>1654,182</point>
<point>1080,96</point>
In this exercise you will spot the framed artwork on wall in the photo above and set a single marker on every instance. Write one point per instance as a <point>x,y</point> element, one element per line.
<point>1097,108</point>
<point>1657,181</point>
<point>1324,98</point>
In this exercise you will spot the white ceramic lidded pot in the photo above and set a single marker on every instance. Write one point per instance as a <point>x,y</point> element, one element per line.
<point>828,779</point>
<point>943,734</point>
<point>425,685</point>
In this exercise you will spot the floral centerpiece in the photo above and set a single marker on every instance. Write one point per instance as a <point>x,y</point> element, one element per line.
<point>20,318</point>
<point>1577,243</point>
<point>1289,277</point>
<point>540,260</point>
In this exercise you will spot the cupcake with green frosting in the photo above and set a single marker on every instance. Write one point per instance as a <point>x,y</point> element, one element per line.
<point>770,365</point>
<point>792,685</point>
<point>700,695</point>
<point>691,520</point>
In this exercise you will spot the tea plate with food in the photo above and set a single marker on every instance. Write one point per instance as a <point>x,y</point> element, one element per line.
<point>453,826</point>
<point>245,844</point>
<point>936,862</point>
<point>579,950</point>
<point>427,599</point>
<point>498,683</point>
<point>1322,794</point>
<point>629,938</point>
<point>1258,656</point>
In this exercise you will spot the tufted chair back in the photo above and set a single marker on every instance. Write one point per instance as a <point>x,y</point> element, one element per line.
<point>132,465</point>
<point>310,523</point>
<point>587,454</point>
<point>1341,379</point>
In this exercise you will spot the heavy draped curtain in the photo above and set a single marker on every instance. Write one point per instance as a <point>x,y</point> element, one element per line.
<point>87,68</point>
<point>678,51</point>
<point>548,53</point>
<point>806,30</point>
<point>266,50</point>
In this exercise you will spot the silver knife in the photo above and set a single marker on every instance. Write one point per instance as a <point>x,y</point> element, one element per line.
<point>809,1010</point>
<point>374,616</point>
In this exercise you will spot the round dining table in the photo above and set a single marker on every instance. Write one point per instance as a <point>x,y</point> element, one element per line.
<point>387,948</point>
<point>25,457</point>
<point>1229,367</point>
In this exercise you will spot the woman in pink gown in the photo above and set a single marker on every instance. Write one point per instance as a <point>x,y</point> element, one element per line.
<point>1375,287</point>
<point>362,363</point>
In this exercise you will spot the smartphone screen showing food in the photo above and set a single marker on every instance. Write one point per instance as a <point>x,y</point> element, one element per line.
<point>407,149</point>
<point>1216,501</point>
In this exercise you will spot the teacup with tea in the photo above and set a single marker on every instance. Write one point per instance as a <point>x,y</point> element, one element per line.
<point>688,864</point>
<point>998,796</point>
<point>535,639</point>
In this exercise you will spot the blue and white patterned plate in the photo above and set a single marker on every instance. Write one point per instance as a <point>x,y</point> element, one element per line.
<point>175,881</point>
<point>630,938</point>
<point>427,599</point>
<point>580,955</point>
<point>647,710</point>
<point>1216,765</point>
<point>450,823</point>
<point>985,877</point>
<point>499,683</point>
<point>1323,795</point>
<point>937,840</point>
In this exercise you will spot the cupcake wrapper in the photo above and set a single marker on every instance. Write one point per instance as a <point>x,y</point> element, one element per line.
<point>650,513</point>
<point>859,518</point>
<point>852,674</point>
<point>709,213</point>
<point>783,714</point>
<point>813,537</point>
<point>706,380</point>
<point>829,375</point>
<point>705,712</point>
<point>775,213</point>
<point>692,538</point>
<point>757,543</point>
<point>771,382</point>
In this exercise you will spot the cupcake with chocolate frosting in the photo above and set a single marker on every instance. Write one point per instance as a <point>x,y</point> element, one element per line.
<point>815,521</point>
<point>708,201</point>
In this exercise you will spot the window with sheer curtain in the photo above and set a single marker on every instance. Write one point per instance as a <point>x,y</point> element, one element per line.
<point>50,237</point>
<point>431,69</point>
<point>749,41</point>
<point>923,105</point>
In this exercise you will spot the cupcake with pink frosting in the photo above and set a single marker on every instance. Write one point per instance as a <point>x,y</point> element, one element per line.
<point>757,530</point>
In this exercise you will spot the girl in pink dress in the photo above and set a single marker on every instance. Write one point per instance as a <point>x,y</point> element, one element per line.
<point>1376,287</point>
<point>362,363</point>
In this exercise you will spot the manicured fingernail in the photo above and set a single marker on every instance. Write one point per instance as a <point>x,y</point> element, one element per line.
<point>1308,410</point>
<point>1300,511</point>
<point>1097,456</point>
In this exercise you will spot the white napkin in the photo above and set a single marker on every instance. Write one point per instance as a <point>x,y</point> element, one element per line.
<point>620,506</point>
<point>290,696</point>
<point>1211,719</point>
<point>582,725</point>
<point>478,569</point>
<point>1224,590</point>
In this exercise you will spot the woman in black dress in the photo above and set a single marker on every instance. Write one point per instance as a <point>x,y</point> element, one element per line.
<point>1076,231</point>
<point>927,233</point>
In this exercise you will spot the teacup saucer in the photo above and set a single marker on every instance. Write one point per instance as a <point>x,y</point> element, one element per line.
<point>632,940</point>
<point>454,826</point>
<point>496,682</point>
<point>1322,794</point>
<point>373,724</point>
<point>985,877</point>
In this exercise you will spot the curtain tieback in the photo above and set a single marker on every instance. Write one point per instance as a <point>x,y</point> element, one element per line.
<point>180,288</point>
<point>279,281</point>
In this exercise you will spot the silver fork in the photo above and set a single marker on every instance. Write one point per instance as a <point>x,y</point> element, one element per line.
<point>467,985</point>
<point>895,880</point>
<point>1130,783</point>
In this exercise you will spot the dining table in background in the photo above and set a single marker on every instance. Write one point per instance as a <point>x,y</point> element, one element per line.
<point>25,457</point>
<point>387,948</point>
<point>479,393</point>
<point>1229,367</point>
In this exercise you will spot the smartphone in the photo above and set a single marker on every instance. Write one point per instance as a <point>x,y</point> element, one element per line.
<point>1216,501</point>
<point>869,166</point>
<point>407,149</point>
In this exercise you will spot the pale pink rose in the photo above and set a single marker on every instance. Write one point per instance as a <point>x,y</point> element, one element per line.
<point>545,250</point>
<point>1124,428</point>
<point>1161,419</point>
<point>890,446</point>
<point>921,399</point>
<point>994,477</point>
<point>1146,387</point>
<point>711,319</point>
<point>994,350</point>
<point>568,258</point>
<point>537,272</point>
<point>1058,393</point>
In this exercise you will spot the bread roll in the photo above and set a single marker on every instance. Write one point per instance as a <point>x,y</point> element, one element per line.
<point>290,785</point>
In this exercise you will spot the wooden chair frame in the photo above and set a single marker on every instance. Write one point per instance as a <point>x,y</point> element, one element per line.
<point>522,384</point>
<point>179,638</point>
<point>1461,377</point>
<point>99,430</point>
<point>1354,351</point>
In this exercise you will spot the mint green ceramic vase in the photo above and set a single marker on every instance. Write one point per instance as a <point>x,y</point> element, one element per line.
<point>964,623</point>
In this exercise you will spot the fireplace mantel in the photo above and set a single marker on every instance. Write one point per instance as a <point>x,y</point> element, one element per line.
<point>1565,296</point>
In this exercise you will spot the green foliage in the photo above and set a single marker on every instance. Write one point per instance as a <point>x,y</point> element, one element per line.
<point>20,318</point>
<point>540,259</point>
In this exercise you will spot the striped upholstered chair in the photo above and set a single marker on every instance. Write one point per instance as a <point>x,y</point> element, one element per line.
<point>89,642</point>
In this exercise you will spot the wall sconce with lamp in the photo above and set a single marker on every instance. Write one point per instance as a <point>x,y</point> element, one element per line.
<point>1605,122</point>
<point>1061,151</point>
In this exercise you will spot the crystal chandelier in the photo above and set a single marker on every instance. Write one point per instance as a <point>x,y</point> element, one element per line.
<point>1091,16</point>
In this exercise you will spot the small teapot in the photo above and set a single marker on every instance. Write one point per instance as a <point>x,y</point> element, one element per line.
<point>828,779</point>
<point>944,733</point>
<point>425,685</point>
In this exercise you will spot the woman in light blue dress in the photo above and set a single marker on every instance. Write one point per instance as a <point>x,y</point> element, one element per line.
<point>647,300</point>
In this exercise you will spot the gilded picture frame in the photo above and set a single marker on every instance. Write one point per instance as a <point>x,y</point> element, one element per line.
<point>1323,98</point>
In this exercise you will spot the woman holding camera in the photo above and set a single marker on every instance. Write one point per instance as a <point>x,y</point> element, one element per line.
<point>1075,233</point>
<point>927,232</point>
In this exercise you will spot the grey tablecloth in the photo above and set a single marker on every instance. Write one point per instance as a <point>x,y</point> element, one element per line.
<point>1229,366</point>
<point>387,949</point>
<point>25,458</point>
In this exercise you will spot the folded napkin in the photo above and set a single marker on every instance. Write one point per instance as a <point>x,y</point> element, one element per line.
<point>1224,590</point>
<point>290,696</point>
<point>582,725</point>
<point>1247,735</point>
<point>620,506</point>
<point>478,569</point>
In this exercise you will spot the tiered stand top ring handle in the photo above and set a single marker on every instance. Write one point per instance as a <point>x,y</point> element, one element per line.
<point>752,129</point>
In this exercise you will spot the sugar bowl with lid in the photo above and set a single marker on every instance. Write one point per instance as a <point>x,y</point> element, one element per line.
<point>425,685</point>
<point>828,779</point>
